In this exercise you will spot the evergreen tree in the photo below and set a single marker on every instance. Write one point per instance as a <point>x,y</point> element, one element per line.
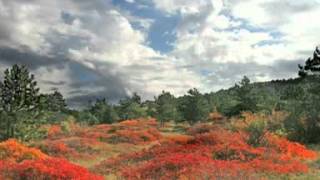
<point>135,98</point>
<point>194,107</point>
<point>303,124</point>
<point>104,112</point>
<point>131,108</point>
<point>247,101</point>
<point>166,108</point>
<point>52,102</point>
<point>151,108</point>
<point>312,65</point>
<point>18,94</point>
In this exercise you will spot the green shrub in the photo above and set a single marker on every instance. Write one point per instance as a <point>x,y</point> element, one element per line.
<point>257,130</point>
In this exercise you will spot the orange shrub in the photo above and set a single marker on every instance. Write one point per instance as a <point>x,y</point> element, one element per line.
<point>216,117</point>
<point>151,122</point>
<point>11,150</point>
<point>54,131</point>
<point>176,139</point>
<point>134,132</point>
<point>129,123</point>
<point>274,120</point>
<point>246,119</point>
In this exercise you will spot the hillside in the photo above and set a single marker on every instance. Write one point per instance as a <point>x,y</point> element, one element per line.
<point>275,94</point>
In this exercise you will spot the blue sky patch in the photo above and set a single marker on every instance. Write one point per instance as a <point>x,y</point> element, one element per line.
<point>161,34</point>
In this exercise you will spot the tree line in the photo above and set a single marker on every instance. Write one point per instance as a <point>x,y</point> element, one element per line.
<point>24,108</point>
<point>22,105</point>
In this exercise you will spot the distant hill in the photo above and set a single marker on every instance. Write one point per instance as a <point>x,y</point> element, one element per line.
<point>275,94</point>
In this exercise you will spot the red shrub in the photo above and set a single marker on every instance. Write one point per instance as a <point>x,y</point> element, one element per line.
<point>217,154</point>
<point>57,148</point>
<point>51,168</point>
<point>20,162</point>
<point>178,165</point>
<point>130,131</point>
<point>290,149</point>
<point>72,148</point>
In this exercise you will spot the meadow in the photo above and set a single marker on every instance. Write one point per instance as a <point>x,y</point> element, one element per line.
<point>251,131</point>
<point>221,148</point>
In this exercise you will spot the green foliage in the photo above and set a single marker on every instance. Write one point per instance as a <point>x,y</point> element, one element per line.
<point>50,117</point>
<point>18,94</point>
<point>223,101</point>
<point>26,128</point>
<point>18,90</point>
<point>311,65</point>
<point>131,108</point>
<point>256,130</point>
<point>194,107</point>
<point>3,125</point>
<point>104,112</point>
<point>52,102</point>
<point>85,117</point>
<point>304,122</point>
<point>245,97</point>
<point>151,107</point>
<point>166,108</point>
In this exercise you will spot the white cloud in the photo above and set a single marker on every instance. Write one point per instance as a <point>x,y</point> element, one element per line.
<point>211,36</point>
<point>130,1</point>
<point>250,31</point>
<point>96,35</point>
<point>186,7</point>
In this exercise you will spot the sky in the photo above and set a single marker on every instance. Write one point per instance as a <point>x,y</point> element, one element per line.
<point>112,48</point>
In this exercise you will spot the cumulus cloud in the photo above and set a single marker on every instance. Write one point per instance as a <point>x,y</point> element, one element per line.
<point>86,49</point>
<point>231,35</point>
<point>97,48</point>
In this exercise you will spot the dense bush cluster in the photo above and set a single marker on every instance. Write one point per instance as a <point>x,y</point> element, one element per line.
<point>20,162</point>
<point>206,151</point>
<point>51,168</point>
<point>13,151</point>
<point>211,154</point>
<point>88,142</point>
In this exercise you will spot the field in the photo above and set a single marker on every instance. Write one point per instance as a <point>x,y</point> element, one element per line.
<point>142,149</point>
<point>159,90</point>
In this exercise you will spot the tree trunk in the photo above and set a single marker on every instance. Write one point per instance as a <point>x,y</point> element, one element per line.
<point>8,128</point>
<point>162,123</point>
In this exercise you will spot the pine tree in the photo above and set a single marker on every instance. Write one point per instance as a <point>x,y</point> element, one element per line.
<point>52,102</point>
<point>131,108</point>
<point>247,101</point>
<point>166,108</point>
<point>312,65</point>
<point>18,94</point>
<point>194,107</point>
<point>104,112</point>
